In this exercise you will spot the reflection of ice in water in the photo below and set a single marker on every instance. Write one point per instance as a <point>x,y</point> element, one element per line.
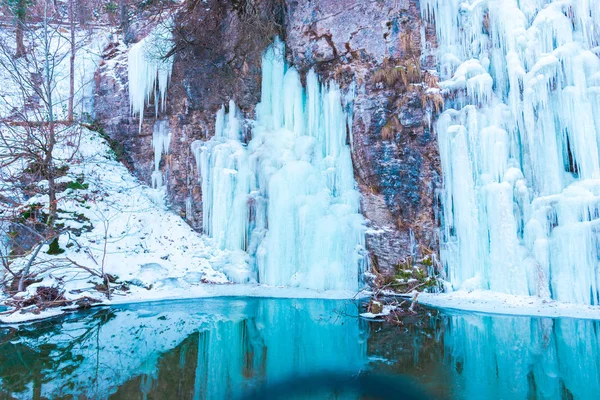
<point>238,343</point>
<point>278,340</point>
<point>518,358</point>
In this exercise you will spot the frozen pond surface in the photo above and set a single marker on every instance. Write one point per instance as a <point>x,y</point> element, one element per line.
<point>221,348</point>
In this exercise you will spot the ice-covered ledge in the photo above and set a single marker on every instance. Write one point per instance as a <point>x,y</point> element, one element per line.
<point>484,301</point>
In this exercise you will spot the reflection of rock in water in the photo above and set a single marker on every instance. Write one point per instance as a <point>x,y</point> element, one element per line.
<point>205,349</point>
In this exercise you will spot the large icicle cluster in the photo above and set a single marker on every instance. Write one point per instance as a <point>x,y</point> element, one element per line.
<point>519,144</point>
<point>149,72</point>
<point>288,197</point>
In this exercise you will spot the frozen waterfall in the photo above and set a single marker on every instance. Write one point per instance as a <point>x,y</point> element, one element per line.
<point>519,145</point>
<point>287,197</point>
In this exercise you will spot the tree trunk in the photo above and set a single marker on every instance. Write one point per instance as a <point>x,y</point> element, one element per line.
<point>25,272</point>
<point>20,52</point>
<point>71,63</point>
<point>124,15</point>
<point>52,206</point>
<point>51,139</point>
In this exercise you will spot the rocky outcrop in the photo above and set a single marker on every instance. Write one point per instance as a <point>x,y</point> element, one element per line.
<point>374,45</point>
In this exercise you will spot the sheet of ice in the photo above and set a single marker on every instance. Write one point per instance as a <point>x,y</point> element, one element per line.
<point>519,145</point>
<point>287,197</point>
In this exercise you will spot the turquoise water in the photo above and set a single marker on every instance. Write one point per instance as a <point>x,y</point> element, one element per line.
<point>221,348</point>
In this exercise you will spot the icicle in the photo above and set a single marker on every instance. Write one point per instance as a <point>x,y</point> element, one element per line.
<point>223,167</point>
<point>161,140</point>
<point>189,209</point>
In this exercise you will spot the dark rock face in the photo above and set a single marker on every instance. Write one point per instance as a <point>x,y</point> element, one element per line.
<point>395,153</point>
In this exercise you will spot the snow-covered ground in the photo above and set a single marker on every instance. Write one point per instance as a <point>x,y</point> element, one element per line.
<point>130,232</point>
<point>486,301</point>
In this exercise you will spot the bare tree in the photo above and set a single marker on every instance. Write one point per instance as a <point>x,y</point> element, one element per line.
<point>30,126</point>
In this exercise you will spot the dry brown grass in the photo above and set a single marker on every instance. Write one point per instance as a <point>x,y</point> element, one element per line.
<point>393,73</point>
<point>431,80</point>
<point>432,99</point>
<point>389,130</point>
<point>437,102</point>
<point>406,42</point>
<point>413,69</point>
<point>404,74</point>
<point>390,76</point>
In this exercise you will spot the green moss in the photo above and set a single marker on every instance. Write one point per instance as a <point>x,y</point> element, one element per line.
<point>427,261</point>
<point>54,248</point>
<point>117,150</point>
<point>77,186</point>
<point>111,7</point>
<point>408,276</point>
